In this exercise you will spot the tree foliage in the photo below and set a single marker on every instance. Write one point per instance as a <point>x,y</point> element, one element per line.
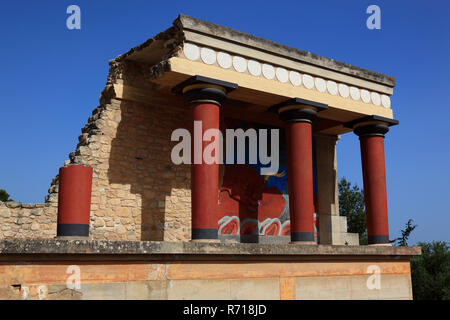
<point>351,205</point>
<point>4,196</point>
<point>430,272</point>
<point>403,239</point>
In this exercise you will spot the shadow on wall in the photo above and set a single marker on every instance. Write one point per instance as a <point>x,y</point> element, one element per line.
<point>151,195</point>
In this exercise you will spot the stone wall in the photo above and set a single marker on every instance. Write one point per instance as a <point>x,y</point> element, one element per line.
<point>24,220</point>
<point>137,193</point>
<point>170,270</point>
<point>237,280</point>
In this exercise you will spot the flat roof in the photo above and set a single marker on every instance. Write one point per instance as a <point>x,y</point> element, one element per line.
<point>231,35</point>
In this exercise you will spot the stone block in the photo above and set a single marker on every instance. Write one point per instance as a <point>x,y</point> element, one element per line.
<point>343,223</point>
<point>61,292</point>
<point>354,287</point>
<point>323,288</point>
<point>103,291</point>
<point>199,289</point>
<point>255,289</point>
<point>350,239</point>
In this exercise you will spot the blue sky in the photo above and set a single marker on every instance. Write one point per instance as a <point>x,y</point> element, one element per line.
<point>51,79</point>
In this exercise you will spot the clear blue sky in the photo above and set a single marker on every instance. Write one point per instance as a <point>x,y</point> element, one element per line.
<point>51,79</point>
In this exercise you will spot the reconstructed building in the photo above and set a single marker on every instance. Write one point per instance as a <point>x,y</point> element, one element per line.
<point>138,225</point>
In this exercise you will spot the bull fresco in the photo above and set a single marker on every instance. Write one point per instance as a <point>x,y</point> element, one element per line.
<point>253,204</point>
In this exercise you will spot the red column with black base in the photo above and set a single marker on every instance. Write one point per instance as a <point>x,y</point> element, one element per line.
<point>298,115</point>
<point>374,176</point>
<point>74,201</point>
<point>371,131</point>
<point>204,96</point>
<point>300,179</point>
<point>371,137</point>
<point>204,177</point>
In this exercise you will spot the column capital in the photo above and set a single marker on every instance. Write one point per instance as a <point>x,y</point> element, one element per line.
<point>371,126</point>
<point>298,110</point>
<point>199,89</point>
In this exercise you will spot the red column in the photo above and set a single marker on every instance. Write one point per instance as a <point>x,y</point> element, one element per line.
<point>298,115</point>
<point>300,178</point>
<point>374,176</point>
<point>204,95</point>
<point>204,177</point>
<point>371,131</point>
<point>74,201</point>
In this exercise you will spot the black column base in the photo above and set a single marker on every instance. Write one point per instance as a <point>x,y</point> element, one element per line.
<point>72,230</point>
<point>302,236</point>
<point>204,234</point>
<point>378,239</point>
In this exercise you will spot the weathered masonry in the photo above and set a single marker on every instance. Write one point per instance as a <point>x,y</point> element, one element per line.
<point>139,225</point>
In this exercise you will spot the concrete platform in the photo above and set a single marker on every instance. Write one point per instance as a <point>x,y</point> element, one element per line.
<point>48,269</point>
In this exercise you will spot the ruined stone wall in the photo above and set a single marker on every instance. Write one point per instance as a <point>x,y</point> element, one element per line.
<point>25,221</point>
<point>137,193</point>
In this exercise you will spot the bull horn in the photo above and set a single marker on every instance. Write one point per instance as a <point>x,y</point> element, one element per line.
<point>278,175</point>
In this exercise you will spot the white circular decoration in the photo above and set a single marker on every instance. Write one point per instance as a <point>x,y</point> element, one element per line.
<point>282,75</point>
<point>386,101</point>
<point>224,60</point>
<point>376,99</point>
<point>355,93</point>
<point>268,71</point>
<point>208,55</point>
<point>239,64</point>
<point>320,84</point>
<point>332,87</point>
<point>191,51</point>
<point>254,67</point>
<point>295,78</point>
<point>343,90</point>
<point>365,96</point>
<point>308,81</point>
